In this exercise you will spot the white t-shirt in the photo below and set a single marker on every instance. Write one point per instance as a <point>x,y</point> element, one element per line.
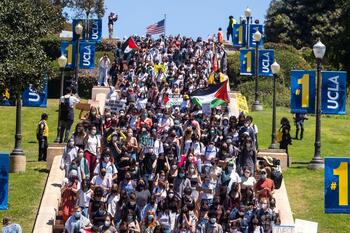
<point>84,198</point>
<point>72,100</point>
<point>247,182</point>
<point>112,201</point>
<point>105,182</point>
<point>110,168</point>
<point>235,178</point>
<point>92,144</point>
<point>210,153</point>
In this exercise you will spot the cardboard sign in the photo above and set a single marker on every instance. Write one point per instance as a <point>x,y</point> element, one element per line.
<point>242,103</point>
<point>206,109</point>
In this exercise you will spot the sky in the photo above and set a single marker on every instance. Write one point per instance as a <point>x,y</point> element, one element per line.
<point>186,17</point>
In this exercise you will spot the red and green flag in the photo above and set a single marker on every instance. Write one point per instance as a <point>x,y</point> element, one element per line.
<point>214,95</point>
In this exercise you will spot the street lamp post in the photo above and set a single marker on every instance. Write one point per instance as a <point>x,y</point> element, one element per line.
<point>247,14</point>
<point>275,67</point>
<point>317,162</point>
<point>62,62</point>
<point>257,105</point>
<point>78,31</point>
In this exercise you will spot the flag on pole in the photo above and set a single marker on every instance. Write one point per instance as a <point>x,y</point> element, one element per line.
<point>129,45</point>
<point>214,95</point>
<point>156,28</point>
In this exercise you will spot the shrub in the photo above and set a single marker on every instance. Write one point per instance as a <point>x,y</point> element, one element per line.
<point>266,92</point>
<point>107,45</point>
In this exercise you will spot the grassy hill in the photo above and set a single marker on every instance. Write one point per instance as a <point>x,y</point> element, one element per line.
<point>305,187</point>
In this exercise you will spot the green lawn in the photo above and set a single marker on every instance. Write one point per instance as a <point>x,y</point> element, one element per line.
<point>305,187</point>
<point>26,188</point>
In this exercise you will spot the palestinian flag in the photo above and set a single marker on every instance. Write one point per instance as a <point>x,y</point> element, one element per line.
<point>214,95</point>
<point>129,45</point>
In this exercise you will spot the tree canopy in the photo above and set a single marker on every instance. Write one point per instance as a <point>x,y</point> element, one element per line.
<point>88,7</point>
<point>301,22</point>
<point>22,59</point>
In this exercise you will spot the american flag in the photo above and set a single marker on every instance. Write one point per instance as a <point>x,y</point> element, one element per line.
<point>156,28</point>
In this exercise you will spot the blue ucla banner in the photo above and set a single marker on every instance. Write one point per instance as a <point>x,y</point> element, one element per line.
<point>87,55</point>
<point>239,35</point>
<point>333,92</point>
<point>266,58</point>
<point>336,185</point>
<point>68,48</point>
<point>252,29</point>
<point>303,91</point>
<point>4,180</point>
<point>247,62</point>
<point>31,98</point>
<point>95,32</point>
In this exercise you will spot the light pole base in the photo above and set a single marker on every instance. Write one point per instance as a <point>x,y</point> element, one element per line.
<point>17,163</point>
<point>273,146</point>
<point>316,163</point>
<point>257,106</point>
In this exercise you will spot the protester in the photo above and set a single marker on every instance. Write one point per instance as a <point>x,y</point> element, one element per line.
<point>104,65</point>
<point>158,162</point>
<point>9,227</point>
<point>232,22</point>
<point>111,19</point>
<point>299,119</point>
<point>67,103</point>
<point>42,133</point>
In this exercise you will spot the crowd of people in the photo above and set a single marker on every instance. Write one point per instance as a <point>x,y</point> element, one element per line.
<point>140,165</point>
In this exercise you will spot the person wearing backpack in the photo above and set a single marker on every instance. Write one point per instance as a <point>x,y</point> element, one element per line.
<point>42,132</point>
<point>67,103</point>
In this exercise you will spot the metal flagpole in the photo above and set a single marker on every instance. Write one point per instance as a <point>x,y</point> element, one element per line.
<point>164,24</point>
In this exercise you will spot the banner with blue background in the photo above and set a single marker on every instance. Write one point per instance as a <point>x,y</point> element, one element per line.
<point>302,91</point>
<point>333,92</point>
<point>336,185</point>
<point>87,55</point>
<point>4,180</point>
<point>68,48</point>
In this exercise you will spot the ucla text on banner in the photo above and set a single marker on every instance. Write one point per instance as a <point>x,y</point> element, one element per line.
<point>32,98</point>
<point>68,49</point>
<point>333,92</point>
<point>336,185</point>
<point>239,35</point>
<point>4,180</point>
<point>87,55</point>
<point>247,62</point>
<point>252,29</point>
<point>95,32</point>
<point>302,91</point>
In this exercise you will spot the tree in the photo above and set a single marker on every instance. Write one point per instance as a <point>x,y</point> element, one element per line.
<point>301,22</point>
<point>22,59</point>
<point>88,7</point>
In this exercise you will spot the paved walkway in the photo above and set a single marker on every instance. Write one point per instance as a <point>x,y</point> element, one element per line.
<point>49,202</point>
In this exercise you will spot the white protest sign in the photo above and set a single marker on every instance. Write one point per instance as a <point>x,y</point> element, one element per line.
<point>303,226</point>
<point>283,229</point>
<point>174,100</point>
<point>115,105</point>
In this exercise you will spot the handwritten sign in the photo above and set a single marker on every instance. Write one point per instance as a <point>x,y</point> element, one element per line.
<point>174,100</point>
<point>283,229</point>
<point>115,105</point>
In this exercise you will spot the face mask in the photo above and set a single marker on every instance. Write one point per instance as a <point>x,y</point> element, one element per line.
<point>212,220</point>
<point>108,119</point>
<point>93,113</point>
<point>93,132</point>
<point>71,144</point>
<point>150,217</point>
<point>81,155</point>
<point>132,203</point>
<point>263,176</point>
<point>107,223</point>
<point>106,159</point>
<point>103,174</point>
<point>174,166</point>
<point>77,215</point>
<point>247,174</point>
<point>171,195</point>
<point>230,168</point>
<point>115,139</point>
<point>129,134</point>
<point>264,206</point>
<point>181,175</point>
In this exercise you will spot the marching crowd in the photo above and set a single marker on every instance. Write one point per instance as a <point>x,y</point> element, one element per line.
<point>149,167</point>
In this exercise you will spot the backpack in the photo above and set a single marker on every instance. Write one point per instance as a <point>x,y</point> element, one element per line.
<point>66,110</point>
<point>277,177</point>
